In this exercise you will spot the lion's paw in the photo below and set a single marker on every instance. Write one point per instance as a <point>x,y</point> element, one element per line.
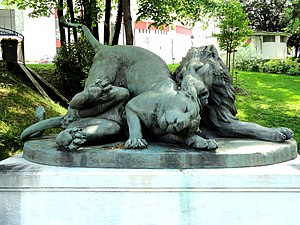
<point>198,142</point>
<point>282,134</point>
<point>211,144</point>
<point>71,139</point>
<point>136,143</point>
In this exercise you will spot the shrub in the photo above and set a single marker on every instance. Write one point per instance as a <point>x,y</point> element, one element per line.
<point>272,66</point>
<point>288,66</point>
<point>73,62</point>
<point>247,59</point>
<point>292,66</point>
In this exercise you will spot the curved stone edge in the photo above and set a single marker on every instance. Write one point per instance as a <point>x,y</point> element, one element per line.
<point>162,156</point>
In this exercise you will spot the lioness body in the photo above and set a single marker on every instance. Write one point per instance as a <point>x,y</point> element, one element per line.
<point>156,102</point>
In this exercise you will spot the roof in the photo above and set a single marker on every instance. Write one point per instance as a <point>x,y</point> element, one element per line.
<point>264,33</point>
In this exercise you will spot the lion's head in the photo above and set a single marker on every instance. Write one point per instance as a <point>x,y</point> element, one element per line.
<point>178,112</point>
<point>213,81</point>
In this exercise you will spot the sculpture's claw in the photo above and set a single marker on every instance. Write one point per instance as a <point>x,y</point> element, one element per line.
<point>198,142</point>
<point>211,144</point>
<point>101,90</point>
<point>136,143</point>
<point>71,139</point>
<point>282,134</point>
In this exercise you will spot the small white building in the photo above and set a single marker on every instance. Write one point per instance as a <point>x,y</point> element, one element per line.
<point>272,45</point>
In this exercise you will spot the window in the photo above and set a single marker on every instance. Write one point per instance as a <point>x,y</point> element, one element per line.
<point>283,39</point>
<point>268,38</point>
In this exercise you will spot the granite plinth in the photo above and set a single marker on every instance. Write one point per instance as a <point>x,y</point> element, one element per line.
<point>231,153</point>
<point>34,194</point>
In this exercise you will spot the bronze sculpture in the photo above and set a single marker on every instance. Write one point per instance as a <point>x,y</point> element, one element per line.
<point>134,81</point>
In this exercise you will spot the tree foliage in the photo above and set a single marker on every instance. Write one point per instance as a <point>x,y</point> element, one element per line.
<point>164,12</point>
<point>275,16</point>
<point>292,14</point>
<point>266,15</point>
<point>87,12</point>
<point>72,63</point>
<point>233,24</point>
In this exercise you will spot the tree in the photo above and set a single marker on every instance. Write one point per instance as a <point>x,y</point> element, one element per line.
<point>118,24</point>
<point>275,16</point>
<point>165,12</point>
<point>89,11</point>
<point>266,15</point>
<point>107,21</point>
<point>231,19</point>
<point>233,24</point>
<point>292,14</point>
<point>127,22</point>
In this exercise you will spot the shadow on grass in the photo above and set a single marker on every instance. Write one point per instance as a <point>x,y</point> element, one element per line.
<point>17,109</point>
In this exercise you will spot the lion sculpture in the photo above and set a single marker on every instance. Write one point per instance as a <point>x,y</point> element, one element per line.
<point>203,73</point>
<point>134,81</point>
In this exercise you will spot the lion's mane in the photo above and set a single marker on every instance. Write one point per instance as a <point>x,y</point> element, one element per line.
<point>221,99</point>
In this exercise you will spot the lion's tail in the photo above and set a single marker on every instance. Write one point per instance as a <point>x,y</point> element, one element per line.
<point>87,33</point>
<point>40,126</point>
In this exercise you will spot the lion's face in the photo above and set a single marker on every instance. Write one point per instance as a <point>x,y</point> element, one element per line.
<point>179,112</point>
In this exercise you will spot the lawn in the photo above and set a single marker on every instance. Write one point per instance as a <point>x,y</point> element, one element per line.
<point>17,106</point>
<point>270,100</point>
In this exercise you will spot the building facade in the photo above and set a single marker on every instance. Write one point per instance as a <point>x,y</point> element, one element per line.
<point>271,45</point>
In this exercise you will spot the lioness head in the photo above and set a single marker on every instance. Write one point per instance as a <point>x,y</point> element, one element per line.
<point>178,112</point>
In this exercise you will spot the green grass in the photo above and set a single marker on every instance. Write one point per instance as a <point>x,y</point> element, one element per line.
<point>270,100</point>
<point>47,71</point>
<point>173,66</point>
<point>42,67</point>
<point>17,106</point>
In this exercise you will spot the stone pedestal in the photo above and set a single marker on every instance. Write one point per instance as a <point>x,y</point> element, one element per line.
<point>230,154</point>
<point>34,194</point>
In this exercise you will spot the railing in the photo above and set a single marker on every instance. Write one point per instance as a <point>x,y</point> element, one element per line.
<point>18,56</point>
<point>9,32</point>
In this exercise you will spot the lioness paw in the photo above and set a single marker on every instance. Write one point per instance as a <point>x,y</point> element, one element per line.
<point>136,143</point>
<point>71,139</point>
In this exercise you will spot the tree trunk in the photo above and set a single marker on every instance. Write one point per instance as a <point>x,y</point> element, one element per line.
<point>118,24</point>
<point>127,22</point>
<point>107,22</point>
<point>87,19</point>
<point>226,63</point>
<point>229,60</point>
<point>90,15</point>
<point>233,62</point>
<point>95,31</point>
<point>71,11</point>
<point>94,17</point>
<point>297,53</point>
<point>69,35</point>
<point>60,13</point>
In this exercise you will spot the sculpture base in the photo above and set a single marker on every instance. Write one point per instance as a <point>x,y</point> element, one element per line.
<point>231,153</point>
<point>34,194</point>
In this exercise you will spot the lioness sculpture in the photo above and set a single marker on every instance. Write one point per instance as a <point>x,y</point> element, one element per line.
<point>155,102</point>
